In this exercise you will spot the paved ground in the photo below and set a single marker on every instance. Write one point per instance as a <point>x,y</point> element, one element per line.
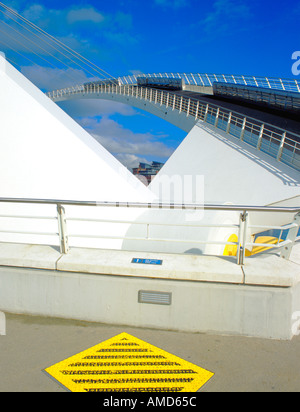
<point>239,363</point>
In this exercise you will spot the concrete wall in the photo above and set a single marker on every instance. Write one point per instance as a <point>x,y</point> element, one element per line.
<point>196,306</point>
<point>208,294</point>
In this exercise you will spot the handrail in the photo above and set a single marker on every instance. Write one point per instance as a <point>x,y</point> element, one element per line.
<point>153,205</point>
<point>286,245</point>
<point>207,79</point>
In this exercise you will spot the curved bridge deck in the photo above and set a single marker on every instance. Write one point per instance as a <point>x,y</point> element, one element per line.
<point>275,135</point>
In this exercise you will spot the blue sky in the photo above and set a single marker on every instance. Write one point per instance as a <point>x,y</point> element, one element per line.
<point>129,36</point>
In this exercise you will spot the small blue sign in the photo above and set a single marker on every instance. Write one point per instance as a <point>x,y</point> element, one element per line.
<point>147,261</point>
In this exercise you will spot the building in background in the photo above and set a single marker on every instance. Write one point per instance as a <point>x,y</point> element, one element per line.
<point>146,172</point>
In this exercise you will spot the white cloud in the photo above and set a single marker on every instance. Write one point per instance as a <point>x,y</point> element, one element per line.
<point>84,14</point>
<point>60,18</point>
<point>88,108</point>
<point>35,12</point>
<point>48,78</point>
<point>175,4</point>
<point>124,143</point>
<point>95,35</point>
<point>226,16</point>
<point>130,160</point>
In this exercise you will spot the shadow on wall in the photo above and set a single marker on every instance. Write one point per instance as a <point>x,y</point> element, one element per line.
<point>181,231</point>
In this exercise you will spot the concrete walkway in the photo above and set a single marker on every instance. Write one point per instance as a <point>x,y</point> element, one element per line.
<point>239,363</point>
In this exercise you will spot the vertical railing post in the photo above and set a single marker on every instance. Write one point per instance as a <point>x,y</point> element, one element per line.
<point>261,132</point>
<point>188,108</point>
<point>174,101</point>
<point>180,107</point>
<point>281,146</point>
<point>243,129</point>
<point>206,112</point>
<point>241,249</point>
<point>291,237</point>
<point>197,110</point>
<point>217,117</point>
<point>228,122</point>
<point>62,230</point>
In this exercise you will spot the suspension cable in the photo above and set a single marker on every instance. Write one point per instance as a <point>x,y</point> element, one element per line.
<point>37,45</point>
<point>67,49</point>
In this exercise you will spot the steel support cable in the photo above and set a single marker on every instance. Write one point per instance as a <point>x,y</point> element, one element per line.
<point>31,51</point>
<point>22,55</point>
<point>26,38</point>
<point>27,58</point>
<point>47,52</point>
<point>68,49</point>
<point>52,55</point>
<point>36,44</point>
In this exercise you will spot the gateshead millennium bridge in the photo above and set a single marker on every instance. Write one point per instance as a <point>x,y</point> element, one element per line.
<point>261,111</point>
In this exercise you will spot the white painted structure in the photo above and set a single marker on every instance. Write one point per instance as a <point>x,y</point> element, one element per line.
<point>233,171</point>
<point>213,166</point>
<point>44,154</point>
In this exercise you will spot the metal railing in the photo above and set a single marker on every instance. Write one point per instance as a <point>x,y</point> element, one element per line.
<point>241,226</point>
<point>275,98</point>
<point>208,79</point>
<point>278,143</point>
